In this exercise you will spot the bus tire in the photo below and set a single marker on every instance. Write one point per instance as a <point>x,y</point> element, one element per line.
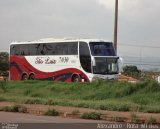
<point>31,77</point>
<point>75,78</point>
<point>24,77</point>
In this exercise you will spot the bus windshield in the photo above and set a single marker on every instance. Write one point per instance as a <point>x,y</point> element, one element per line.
<point>105,65</point>
<point>102,49</point>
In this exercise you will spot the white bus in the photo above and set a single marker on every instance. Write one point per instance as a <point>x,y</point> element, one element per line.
<point>69,60</point>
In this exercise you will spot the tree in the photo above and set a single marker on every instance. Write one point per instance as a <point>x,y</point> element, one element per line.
<point>4,66</point>
<point>132,71</point>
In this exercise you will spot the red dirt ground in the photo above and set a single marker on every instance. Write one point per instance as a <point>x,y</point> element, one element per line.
<point>68,112</point>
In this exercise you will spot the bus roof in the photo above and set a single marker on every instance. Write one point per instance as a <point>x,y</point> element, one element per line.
<point>53,40</point>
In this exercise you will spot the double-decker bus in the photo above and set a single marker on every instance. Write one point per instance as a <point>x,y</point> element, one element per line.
<point>65,60</point>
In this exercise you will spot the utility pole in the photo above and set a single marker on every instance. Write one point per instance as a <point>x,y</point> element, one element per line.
<point>116,25</point>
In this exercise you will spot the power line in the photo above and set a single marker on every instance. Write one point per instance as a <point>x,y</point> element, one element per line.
<point>132,56</point>
<point>133,45</point>
<point>142,64</point>
<point>143,58</point>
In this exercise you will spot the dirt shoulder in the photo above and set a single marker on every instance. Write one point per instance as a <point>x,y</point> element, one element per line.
<point>75,112</point>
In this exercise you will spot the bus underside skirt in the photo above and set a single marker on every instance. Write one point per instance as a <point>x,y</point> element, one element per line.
<point>62,77</point>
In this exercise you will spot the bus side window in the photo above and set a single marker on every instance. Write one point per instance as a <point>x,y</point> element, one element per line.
<point>15,50</point>
<point>64,48</point>
<point>23,49</point>
<point>32,49</point>
<point>58,49</point>
<point>12,50</point>
<point>48,49</point>
<point>72,48</point>
<point>39,49</point>
<point>53,51</point>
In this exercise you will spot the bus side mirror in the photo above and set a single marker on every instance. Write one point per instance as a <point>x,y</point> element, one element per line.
<point>120,63</point>
<point>93,61</point>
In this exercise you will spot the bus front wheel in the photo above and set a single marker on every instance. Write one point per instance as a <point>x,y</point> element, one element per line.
<point>75,78</point>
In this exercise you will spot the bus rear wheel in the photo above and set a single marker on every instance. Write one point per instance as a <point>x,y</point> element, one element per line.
<point>24,77</point>
<point>31,77</point>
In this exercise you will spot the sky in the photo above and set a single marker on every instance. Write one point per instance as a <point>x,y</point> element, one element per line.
<point>138,25</point>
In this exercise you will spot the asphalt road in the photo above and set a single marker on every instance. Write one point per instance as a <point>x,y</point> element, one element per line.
<point>28,121</point>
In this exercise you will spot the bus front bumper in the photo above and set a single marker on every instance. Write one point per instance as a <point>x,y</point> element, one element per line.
<point>104,77</point>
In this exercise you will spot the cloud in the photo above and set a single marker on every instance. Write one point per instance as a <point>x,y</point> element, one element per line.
<point>107,3</point>
<point>56,18</point>
<point>138,20</point>
<point>33,19</point>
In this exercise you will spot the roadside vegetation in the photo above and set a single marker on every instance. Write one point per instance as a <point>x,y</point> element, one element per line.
<point>134,118</point>
<point>91,115</point>
<point>143,96</point>
<point>152,120</point>
<point>14,108</point>
<point>51,112</point>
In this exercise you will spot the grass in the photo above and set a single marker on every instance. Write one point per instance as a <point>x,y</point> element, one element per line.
<point>51,112</point>
<point>92,115</point>
<point>117,119</point>
<point>152,120</point>
<point>14,108</point>
<point>75,112</point>
<point>134,118</point>
<point>3,86</point>
<point>104,95</point>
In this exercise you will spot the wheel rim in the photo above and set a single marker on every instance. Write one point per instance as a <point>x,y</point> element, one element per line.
<point>32,77</point>
<point>75,79</point>
<point>24,77</point>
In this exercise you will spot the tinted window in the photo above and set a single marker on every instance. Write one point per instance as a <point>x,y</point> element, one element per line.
<point>61,48</point>
<point>32,49</point>
<point>45,49</point>
<point>102,49</point>
<point>105,65</point>
<point>23,49</point>
<point>85,58</point>
<point>14,50</point>
<point>73,48</point>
